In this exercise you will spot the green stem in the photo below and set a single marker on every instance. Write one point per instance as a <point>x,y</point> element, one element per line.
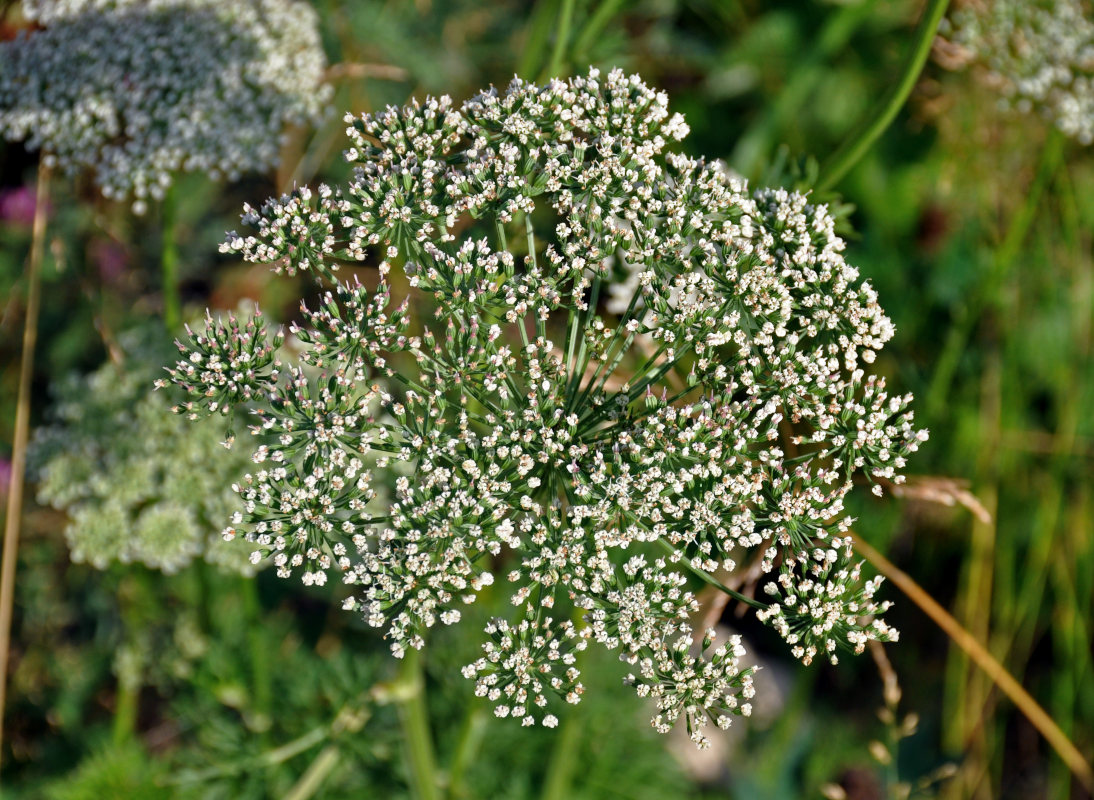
<point>867,133</point>
<point>556,785</point>
<point>414,718</point>
<point>271,758</point>
<point>562,38</point>
<point>131,599</point>
<point>535,43</point>
<point>710,579</point>
<point>125,710</point>
<point>261,682</point>
<point>595,25</point>
<point>467,745</point>
<point>316,773</point>
<point>169,262</point>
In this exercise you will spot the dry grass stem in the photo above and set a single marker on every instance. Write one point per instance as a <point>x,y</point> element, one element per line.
<point>22,431</point>
<point>985,661</point>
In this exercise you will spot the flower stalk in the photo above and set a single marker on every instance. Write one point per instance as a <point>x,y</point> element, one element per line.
<point>14,512</point>
<point>414,718</point>
<point>169,261</point>
<point>860,141</point>
<point>979,654</point>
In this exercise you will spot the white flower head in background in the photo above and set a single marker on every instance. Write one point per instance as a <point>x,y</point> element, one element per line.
<point>138,484</point>
<point>1039,52</point>
<point>137,90</point>
<point>595,451</point>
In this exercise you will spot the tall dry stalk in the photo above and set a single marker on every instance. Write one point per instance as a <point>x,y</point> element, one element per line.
<point>22,431</point>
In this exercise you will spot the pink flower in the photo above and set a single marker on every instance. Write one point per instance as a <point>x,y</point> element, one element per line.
<point>17,205</point>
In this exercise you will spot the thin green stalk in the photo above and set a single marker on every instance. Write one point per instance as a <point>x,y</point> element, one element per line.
<point>856,146</point>
<point>169,262</point>
<point>467,745</point>
<point>125,709</point>
<point>535,44</point>
<point>132,599</point>
<point>562,38</point>
<point>1004,260</point>
<point>414,718</point>
<point>966,686</point>
<point>560,771</point>
<point>596,23</point>
<point>14,513</point>
<point>261,679</point>
<point>316,773</point>
<point>577,371</point>
<point>270,758</point>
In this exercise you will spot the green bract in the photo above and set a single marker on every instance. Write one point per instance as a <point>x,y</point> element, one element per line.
<point>615,367</point>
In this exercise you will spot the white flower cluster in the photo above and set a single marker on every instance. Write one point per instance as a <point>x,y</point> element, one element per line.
<point>136,90</point>
<point>597,447</point>
<point>818,604</point>
<point>139,485</point>
<point>224,365</point>
<point>1040,52</point>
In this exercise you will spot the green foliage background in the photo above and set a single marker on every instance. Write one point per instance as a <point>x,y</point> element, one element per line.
<point>974,224</point>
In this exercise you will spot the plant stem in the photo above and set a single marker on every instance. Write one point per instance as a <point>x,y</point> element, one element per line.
<point>268,759</point>
<point>556,785</point>
<point>595,25</point>
<point>539,29</point>
<point>710,579</point>
<point>132,599</point>
<point>261,684</point>
<point>855,146</point>
<point>14,513</point>
<point>1005,256</point>
<point>985,660</point>
<point>414,718</point>
<point>315,774</point>
<point>169,262</point>
<point>125,709</point>
<point>470,738</point>
<point>562,38</point>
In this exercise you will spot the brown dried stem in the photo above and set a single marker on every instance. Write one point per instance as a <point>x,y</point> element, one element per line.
<point>979,655</point>
<point>22,432</point>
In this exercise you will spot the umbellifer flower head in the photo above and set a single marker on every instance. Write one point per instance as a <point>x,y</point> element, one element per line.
<point>137,90</point>
<point>1040,53</point>
<point>615,367</point>
<point>139,485</point>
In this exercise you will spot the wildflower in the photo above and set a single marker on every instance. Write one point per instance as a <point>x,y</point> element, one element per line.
<point>17,205</point>
<point>501,424</point>
<point>1039,52</point>
<point>138,484</point>
<point>136,91</point>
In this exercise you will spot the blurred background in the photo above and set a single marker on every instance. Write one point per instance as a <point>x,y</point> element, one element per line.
<point>973,222</point>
